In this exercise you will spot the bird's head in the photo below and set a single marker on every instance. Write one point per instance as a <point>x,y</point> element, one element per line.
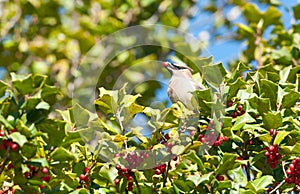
<point>175,68</point>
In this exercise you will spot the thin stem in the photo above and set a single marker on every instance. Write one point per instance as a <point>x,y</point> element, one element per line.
<point>166,174</point>
<point>6,156</point>
<point>118,118</point>
<point>277,187</point>
<point>136,182</point>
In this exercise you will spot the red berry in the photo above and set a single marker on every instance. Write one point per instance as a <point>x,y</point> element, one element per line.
<point>86,169</point>
<point>217,143</point>
<point>42,186</point>
<point>10,166</point>
<point>129,178</point>
<point>44,170</point>
<point>225,138</point>
<point>46,178</point>
<point>220,178</point>
<point>2,133</point>
<point>130,186</point>
<point>32,168</point>
<point>167,136</point>
<point>124,169</point>
<point>234,114</point>
<point>240,108</point>
<point>82,177</point>
<point>250,142</point>
<point>271,131</point>
<point>230,103</point>
<point>211,122</point>
<point>14,146</point>
<point>157,171</point>
<point>27,174</point>
<point>271,148</point>
<point>118,166</point>
<point>117,181</point>
<point>288,171</point>
<point>292,167</point>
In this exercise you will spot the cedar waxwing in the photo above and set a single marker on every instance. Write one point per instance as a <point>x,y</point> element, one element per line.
<point>181,84</point>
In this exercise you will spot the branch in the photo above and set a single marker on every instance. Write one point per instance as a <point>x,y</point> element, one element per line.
<point>166,174</point>
<point>118,118</point>
<point>6,156</point>
<point>136,182</point>
<point>277,187</point>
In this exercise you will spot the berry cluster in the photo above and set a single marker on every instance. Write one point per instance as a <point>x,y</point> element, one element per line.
<point>134,159</point>
<point>273,155</point>
<point>293,172</point>
<point>8,143</point>
<point>34,172</point>
<point>127,173</point>
<point>160,169</point>
<point>8,191</point>
<point>273,132</point>
<point>238,111</point>
<point>211,139</point>
<point>84,178</point>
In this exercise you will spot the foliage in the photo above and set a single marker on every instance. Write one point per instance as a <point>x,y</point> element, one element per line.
<point>244,138</point>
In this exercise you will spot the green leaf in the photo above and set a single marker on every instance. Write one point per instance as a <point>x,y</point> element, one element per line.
<point>61,154</point>
<point>29,150</point>
<point>271,16</point>
<point>107,101</point>
<point>5,122</point>
<point>184,186</point>
<point>241,121</point>
<point>214,74</point>
<point>234,87</point>
<point>43,105</point>
<point>3,87</point>
<point>227,163</point>
<point>259,185</point>
<point>272,120</point>
<point>197,180</point>
<point>261,104</point>
<point>239,176</point>
<point>81,116</point>
<point>280,136</point>
<point>49,93</point>
<point>296,10</point>
<point>245,30</point>
<point>269,90</point>
<point>22,83</point>
<point>225,185</point>
<point>18,138</point>
<point>194,158</point>
<point>290,99</point>
<point>55,130</point>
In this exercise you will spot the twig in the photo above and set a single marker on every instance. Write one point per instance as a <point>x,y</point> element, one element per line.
<point>166,174</point>
<point>118,118</point>
<point>6,156</point>
<point>277,187</point>
<point>136,182</point>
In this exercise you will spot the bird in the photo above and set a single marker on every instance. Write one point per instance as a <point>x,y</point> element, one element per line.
<point>181,84</point>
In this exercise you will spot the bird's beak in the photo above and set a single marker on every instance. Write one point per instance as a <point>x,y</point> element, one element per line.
<point>165,64</point>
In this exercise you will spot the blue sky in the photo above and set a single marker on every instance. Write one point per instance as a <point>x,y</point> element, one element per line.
<point>226,50</point>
